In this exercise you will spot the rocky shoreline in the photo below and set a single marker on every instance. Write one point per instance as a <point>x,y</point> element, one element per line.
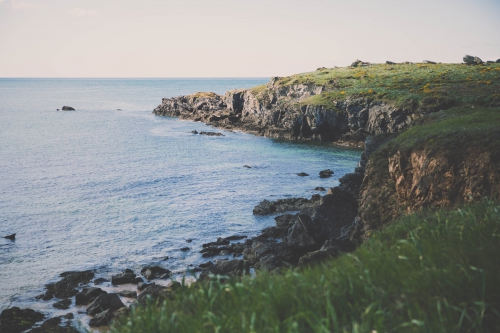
<point>308,230</point>
<point>319,228</point>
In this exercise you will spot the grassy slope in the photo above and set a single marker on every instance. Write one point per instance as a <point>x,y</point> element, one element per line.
<point>432,272</point>
<point>406,85</point>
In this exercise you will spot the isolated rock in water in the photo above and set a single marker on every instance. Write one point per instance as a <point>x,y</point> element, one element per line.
<point>326,173</point>
<point>302,174</point>
<point>104,302</point>
<point>470,60</point>
<point>155,272</point>
<point>184,249</point>
<point>62,304</point>
<point>87,295</point>
<point>194,131</point>
<point>67,286</point>
<point>320,189</point>
<point>11,237</point>
<point>67,108</point>
<point>211,133</point>
<point>247,166</point>
<point>123,278</point>
<point>154,292</point>
<point>15,320</point>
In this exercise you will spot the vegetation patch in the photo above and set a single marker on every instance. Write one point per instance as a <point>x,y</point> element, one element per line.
<point>445,85</point>
<point>431,272</point>
<point>204,95</point>
<point>451,132</point>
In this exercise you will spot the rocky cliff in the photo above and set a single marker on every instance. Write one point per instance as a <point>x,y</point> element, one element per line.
<point>277,111</point>
<point>417,155</point>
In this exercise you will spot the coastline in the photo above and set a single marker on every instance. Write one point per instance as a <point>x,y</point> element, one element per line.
<point>337,222</point>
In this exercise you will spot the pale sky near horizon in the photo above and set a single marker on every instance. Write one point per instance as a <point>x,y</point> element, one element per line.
<point>238,38</point>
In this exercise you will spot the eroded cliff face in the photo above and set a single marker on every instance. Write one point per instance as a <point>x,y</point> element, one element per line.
<point>407,181</point>
<point>279,111</point>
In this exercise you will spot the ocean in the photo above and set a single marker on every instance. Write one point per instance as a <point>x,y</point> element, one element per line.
<point>112,186</point>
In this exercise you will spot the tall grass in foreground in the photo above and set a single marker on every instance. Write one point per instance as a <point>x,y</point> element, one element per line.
<point>429,272</point>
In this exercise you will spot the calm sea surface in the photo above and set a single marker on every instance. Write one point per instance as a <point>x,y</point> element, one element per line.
<point>106,189</point>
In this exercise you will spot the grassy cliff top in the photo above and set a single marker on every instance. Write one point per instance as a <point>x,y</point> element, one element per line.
<point>403,84</point>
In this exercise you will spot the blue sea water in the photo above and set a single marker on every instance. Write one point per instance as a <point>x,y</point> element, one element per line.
<point>108,189</point>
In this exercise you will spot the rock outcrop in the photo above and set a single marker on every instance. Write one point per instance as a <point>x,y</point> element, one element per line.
<point>277,111</point>
<point>66,287</point>
<point>409,180</point>
<point>104,302</point>
<point>470,60</point>
<point>16,320</point>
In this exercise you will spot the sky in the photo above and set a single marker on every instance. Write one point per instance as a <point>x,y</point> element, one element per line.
<point>236,38</point>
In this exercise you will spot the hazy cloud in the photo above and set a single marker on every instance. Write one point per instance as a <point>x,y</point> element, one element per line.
<point>82,12</point>
<point>1,1</point>
<point>23,5</point>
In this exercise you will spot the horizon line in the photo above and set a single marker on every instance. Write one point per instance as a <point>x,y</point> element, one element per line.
<point>132,77</point>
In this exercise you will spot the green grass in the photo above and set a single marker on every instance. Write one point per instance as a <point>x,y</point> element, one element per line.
<point>407,85</point>
<point>431,272</point>
<point>458,126</point>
